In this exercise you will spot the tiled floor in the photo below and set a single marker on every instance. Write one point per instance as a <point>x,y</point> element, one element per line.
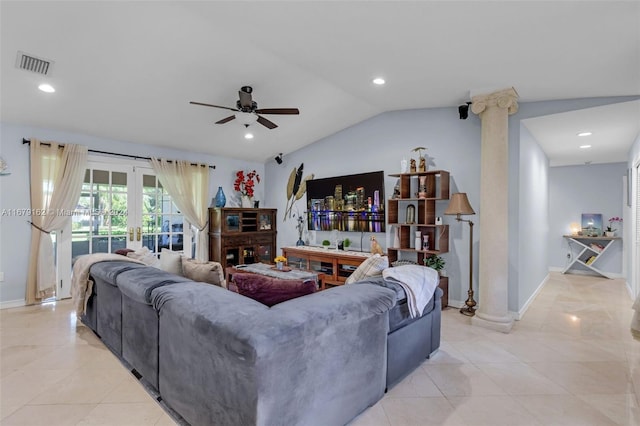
<point>570,361</point>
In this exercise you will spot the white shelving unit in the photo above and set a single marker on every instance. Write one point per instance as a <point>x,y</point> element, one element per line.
<point>590,253</point>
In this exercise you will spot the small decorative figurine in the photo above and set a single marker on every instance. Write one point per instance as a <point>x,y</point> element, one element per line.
<point>412,168</point>
<point>375,247</point>
<point>422,167</point>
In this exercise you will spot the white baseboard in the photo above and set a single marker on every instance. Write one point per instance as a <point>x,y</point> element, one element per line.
<point>12,304</point>
<point>456,304</point>
<point>518,315</point>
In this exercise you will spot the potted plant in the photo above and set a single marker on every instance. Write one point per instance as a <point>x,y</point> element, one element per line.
<point>346,243</point>
<point>434,261</point>
<point>326,243</point>
<point>610,231</point>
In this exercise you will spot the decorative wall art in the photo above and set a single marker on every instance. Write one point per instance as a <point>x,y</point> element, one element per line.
<point>592,224</point>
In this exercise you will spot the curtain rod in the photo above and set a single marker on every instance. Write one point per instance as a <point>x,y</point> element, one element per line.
<point>135,157</point>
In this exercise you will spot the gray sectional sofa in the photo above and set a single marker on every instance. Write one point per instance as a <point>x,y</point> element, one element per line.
<point>215,357</point>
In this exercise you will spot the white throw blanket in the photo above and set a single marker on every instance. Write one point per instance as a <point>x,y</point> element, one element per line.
<point>81,285</point>
<point>418,282</point>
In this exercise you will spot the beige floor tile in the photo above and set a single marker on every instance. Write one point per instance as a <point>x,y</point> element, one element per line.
<point>563,410</point>
<point>584,378</point>
<point>520,379</point>
<point>22,386</point>
<point>416,384</point>
<point>447,354</point>
<point>166,420</point>
<point>125,414</point>
<point>84,386</point>
<point>54,415</point>
<point>421,411</point>
<point>130,390</point>
<point>13,358</point>
<point>622,409</point>
<point>462,380</point>
<point>492,411</point>
<point>374,416</point>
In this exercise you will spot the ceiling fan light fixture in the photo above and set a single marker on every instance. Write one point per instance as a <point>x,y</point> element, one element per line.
<point>246,118</point>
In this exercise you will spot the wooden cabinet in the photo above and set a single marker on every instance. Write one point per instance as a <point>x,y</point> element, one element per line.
<point>405,223</point>
<point>336,265</point>
<point>241,236</point>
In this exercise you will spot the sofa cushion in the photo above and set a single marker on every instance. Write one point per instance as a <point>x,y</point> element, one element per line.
<point>144,255</point>
<point>138,284</point>
<point>270,291</point>
<point>108,271</point>
<point>171,261</point>
<point>205,272</point>
<point>371,267</point>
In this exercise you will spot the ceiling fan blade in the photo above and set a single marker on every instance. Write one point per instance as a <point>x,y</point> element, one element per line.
<point>245,99</point>
<point>267,123</point>
<point>226,120</point>
<point>278,111</point>
<point>215,106</point>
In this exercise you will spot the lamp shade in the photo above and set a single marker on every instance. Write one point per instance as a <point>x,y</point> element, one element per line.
<point>459,205</point>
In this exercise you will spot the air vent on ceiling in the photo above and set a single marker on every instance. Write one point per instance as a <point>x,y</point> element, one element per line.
<point>32,63</point>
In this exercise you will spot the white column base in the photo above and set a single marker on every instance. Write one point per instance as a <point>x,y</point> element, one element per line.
<point>502,325</point>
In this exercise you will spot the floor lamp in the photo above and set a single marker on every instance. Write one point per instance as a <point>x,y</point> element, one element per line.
<point>458,206</point>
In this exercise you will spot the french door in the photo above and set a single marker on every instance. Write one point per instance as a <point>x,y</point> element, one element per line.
<point>121,206</point>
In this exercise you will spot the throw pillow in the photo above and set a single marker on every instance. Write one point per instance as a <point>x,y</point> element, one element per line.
<point>144,255</point>
<point>371,267</point>
<point>171,261</point>
<point>270,291</point>
<point>123,252</point>
<point>205,272</point>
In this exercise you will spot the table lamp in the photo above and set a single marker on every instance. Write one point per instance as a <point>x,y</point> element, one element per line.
<point>458,206</point>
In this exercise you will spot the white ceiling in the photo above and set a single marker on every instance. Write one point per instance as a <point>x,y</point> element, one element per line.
<point>127,70</point>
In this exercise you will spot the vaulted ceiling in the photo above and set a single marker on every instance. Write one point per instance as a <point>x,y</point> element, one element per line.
<point>127,70</point>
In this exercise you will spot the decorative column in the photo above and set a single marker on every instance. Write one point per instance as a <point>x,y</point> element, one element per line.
<point>493,278</point>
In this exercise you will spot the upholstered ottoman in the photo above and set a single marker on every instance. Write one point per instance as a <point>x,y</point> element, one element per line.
<point>105,313</point>
<point>140,319</point>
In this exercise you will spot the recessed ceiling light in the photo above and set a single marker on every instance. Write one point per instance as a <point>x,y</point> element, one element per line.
<point>46,88</point>
<point>585,134</point>
<point>585,146</point>
<point>248,135</point>
<point>379,81</point>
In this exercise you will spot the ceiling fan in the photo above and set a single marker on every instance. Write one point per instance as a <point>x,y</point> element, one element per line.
<point>249,108</point>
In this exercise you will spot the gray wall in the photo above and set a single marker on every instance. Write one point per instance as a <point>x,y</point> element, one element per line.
<point>595,188</point>
<point>534,222</point>
<point>14,190</point>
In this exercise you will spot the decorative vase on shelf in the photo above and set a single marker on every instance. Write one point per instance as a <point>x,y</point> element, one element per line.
<point>425,242</point>
<point>245,201</point>
<point>418,241</point>
<point>280,265</point>
<point>220,199</point>
<point>422,188</point>
<point>610,233</point>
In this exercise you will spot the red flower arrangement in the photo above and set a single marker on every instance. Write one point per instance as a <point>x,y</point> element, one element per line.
<point>245,183</point>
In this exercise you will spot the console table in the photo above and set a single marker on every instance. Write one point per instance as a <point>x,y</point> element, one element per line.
<point>592,249</point>
<point>336,265</point>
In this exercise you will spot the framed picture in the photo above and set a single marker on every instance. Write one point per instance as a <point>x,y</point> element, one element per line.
<point>592,224</point>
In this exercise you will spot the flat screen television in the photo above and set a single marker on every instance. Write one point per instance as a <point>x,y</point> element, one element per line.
<point>351,203</point>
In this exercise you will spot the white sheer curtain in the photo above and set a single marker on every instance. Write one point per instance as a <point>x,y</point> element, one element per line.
<point>188,185</point>
<point>57,173</point>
